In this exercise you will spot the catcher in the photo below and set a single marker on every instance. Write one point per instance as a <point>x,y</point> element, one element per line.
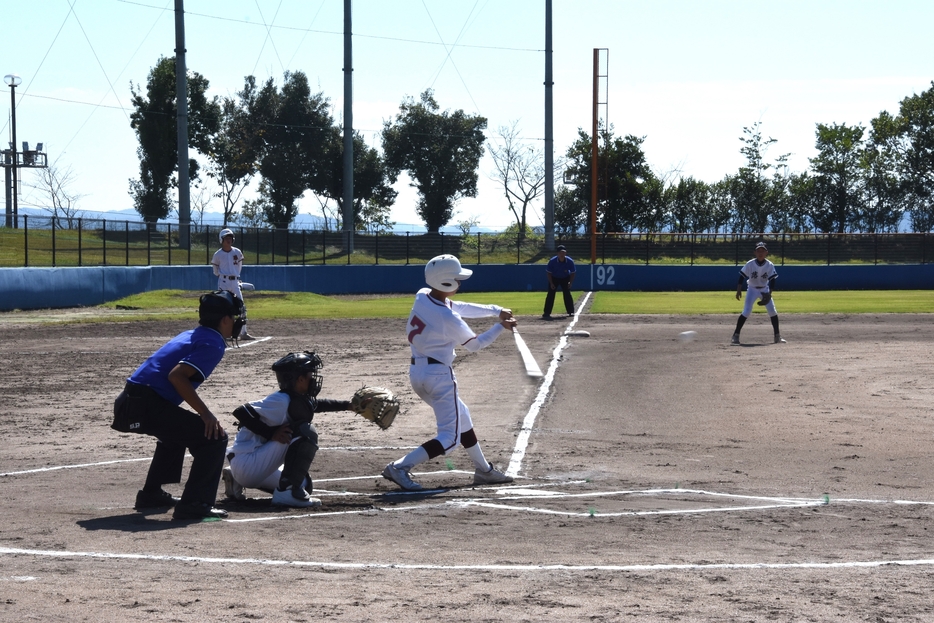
<point>277,441</point>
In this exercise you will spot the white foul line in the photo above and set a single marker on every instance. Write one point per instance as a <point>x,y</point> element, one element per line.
<point>11,551</point>
<point>522,440</point>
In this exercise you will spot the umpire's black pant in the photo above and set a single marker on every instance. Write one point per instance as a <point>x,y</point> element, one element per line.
<point>139,409</point>
<point>565,284</point>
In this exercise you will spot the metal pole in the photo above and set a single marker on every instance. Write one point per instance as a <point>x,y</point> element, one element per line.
<point>348,128</point>
<point>549,136</point>
<point>15,155</point>
<point>593,160</point>
<point>181,99</point>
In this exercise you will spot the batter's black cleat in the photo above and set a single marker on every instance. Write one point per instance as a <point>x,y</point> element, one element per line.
<point>193,511</point>
<point>155,499</point>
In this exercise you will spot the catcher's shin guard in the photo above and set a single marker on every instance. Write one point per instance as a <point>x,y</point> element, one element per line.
<point>298,460</point>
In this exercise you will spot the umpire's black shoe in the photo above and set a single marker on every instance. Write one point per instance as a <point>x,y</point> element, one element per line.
<point>188,510</point>
<point>155,499</point>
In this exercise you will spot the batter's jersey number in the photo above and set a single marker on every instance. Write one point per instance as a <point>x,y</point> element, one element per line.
<point>606,275</point>
<point>417,327</point>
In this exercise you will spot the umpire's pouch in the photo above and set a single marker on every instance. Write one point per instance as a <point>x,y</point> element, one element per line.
<point>128,408</point>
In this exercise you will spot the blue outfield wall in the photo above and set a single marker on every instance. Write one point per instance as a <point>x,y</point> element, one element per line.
<point>44,288</point>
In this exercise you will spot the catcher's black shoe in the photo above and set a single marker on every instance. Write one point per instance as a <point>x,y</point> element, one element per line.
<point>155,499</point>
<point>189,510</point>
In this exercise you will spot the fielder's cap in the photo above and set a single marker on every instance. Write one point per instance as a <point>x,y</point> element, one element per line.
<point>224,233</point>
<point>561,247</point>
<point>761,245</point>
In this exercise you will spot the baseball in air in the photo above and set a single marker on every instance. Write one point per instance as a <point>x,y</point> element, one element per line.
<point>687,336</point>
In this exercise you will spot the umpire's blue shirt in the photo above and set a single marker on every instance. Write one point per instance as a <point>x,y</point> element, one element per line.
<point>200,348</point>
<point>559,269</point>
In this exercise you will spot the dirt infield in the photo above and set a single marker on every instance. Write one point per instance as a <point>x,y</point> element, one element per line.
<point>658,479</point>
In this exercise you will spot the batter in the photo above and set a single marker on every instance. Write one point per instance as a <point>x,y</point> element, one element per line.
<point>435,327</point>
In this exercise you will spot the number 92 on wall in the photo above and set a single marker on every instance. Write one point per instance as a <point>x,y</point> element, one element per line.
<point>604,275</point>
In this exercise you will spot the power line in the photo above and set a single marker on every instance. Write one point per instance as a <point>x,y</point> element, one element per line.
<point>340,34</point>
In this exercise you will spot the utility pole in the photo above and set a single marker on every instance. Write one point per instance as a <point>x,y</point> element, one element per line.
<point>549,136</point>
<point>181,99</point>
<point>348,127</point>
<point>13,81</point>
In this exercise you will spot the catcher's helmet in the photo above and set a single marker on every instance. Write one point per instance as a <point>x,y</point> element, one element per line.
<point>224,233</point>
<point>292,366</point>
<point>214,306</point>
<point>444,271</point>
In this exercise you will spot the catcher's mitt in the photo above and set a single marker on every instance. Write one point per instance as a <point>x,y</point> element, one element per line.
<point>766,297</point>
<point>376,404</point>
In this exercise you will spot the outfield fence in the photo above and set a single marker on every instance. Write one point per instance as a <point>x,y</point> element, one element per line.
<point>59,241</point>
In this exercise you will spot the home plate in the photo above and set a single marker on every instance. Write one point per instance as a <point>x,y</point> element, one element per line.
<point>578,333</point>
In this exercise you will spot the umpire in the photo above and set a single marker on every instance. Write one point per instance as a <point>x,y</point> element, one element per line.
<point>560,272</point>
<point>150,405</point>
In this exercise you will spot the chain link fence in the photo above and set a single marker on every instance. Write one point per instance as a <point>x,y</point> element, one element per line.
<point>59,241</point>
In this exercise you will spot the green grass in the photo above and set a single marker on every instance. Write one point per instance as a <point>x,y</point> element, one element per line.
<point>818,302</point>
<point>183,305</point>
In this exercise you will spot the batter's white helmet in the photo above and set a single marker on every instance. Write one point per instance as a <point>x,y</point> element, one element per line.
<point>224,233</point>
<point>443,272</point>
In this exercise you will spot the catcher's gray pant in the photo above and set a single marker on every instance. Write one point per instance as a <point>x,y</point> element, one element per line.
<point>753,295</point>
<point>262,468</point>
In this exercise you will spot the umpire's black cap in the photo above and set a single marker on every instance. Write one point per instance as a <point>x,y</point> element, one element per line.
<point>216,305</point>
<point>561,247</point>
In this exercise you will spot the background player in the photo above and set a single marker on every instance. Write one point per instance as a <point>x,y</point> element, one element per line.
<point>277,442</point>
<point>434,328</point>
<point>759,275</point>
<point>227,263</point>
<point>150,405</point>
<point>560,272</point>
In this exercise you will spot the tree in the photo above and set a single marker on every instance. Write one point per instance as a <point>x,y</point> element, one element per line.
<point>688,206</point>
<point>62,204</point>
<point>372,182</point>
<point>754,203</point>
<point>628,194</point>
<point>441,153</point>
<point>837,176</point>
<point>294,128</point>
<point>520,169</point>
<point>233,151</point>
<point>154,121</point>
<point>909,141</point>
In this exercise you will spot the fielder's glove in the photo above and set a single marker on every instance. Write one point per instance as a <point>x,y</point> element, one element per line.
<point>376,404</point>
<point>766,297</point>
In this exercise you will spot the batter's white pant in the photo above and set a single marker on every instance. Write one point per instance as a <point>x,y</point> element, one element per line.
<point>753,295</point>
<point>436,385</point>
<point>262,468</point>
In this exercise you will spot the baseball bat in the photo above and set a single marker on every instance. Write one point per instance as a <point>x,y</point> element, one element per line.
<point>531,366</point>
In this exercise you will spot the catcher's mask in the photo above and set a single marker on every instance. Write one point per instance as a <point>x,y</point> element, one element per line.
<point>214,306</point>
<point>444,271</point>
<point>294,365</point>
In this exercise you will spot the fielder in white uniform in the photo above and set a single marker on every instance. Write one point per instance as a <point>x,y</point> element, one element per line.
<point>435,327</point>
<point>759,275</point>
<point>278,441</point>
<point>227,264</point>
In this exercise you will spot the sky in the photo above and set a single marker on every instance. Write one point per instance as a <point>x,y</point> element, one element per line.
<point>687,75</point>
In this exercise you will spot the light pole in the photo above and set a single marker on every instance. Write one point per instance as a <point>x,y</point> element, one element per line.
<point>13,81</point>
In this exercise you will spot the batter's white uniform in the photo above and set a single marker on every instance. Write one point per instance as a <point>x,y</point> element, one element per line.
<point>434,329</point>
<point>757,282</point>
<point>257,462</point>
<point>227,266</point>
